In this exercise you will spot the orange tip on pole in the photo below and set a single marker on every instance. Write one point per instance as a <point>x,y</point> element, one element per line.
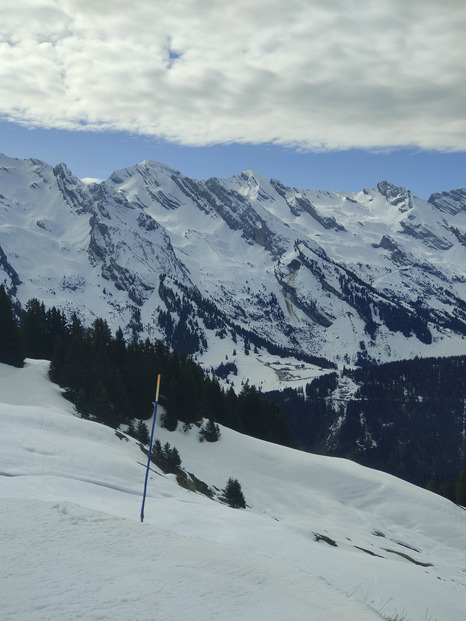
<point>158,387</point>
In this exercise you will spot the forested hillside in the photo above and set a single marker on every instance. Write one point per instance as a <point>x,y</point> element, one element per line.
<point>407,418</point>
<point>113,381</point>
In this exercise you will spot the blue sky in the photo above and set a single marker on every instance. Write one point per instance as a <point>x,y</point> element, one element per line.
<point>316,93</point>
<point>98,154</point>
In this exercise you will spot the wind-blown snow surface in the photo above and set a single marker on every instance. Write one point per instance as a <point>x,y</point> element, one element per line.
<point>72,545</point>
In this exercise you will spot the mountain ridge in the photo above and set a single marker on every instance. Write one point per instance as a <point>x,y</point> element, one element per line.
<point>243,265</point>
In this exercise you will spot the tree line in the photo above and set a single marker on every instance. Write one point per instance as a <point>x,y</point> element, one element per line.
<point>112,380</point>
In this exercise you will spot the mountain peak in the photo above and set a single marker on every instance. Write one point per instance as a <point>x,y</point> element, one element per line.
<point>62,170</point>
<point>157,166</point>
<point>390,190</point>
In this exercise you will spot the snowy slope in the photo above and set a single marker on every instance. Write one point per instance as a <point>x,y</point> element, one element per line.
<point>240,266</point>
<point>72,545</point>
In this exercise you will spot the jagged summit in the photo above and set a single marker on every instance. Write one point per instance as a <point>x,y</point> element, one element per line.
<point>245,268</point>
<point>451,202</point>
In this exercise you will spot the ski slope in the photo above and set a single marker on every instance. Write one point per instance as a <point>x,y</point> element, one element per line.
<point>321,538</point>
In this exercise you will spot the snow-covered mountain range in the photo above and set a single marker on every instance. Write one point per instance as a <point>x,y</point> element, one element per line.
<point>321,538</point>
<point>245,269</point>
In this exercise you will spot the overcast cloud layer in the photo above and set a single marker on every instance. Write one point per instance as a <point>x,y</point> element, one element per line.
<point>319,74</point>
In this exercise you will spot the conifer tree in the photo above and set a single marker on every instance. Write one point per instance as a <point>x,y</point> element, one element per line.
<point>170,416</point>
<point>34,329</point>
<point>11,350</point>
<point>142,433</point>
<point>82,404</point>
<point>234,494</point>
<point>157,447</point>
<point>102,408</point>
<point>166,450</point>
<point>131,431</point>
<point>461,489</point>
<point>210,431</point>
<point>173,458</point>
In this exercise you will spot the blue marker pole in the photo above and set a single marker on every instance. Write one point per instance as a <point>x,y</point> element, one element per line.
<point>150,446</point>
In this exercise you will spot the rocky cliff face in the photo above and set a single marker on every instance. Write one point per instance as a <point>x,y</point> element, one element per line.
<point>272,277</point>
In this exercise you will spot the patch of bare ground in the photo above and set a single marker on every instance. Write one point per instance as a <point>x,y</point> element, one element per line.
<point>187,480</point>
<point>408,558</point>
<point>328,540</point>
<point>369,552</point>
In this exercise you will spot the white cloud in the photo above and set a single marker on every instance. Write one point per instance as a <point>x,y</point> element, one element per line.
<point>316,74</point>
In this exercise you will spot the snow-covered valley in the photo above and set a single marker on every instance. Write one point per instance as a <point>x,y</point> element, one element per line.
<point>321,538</point>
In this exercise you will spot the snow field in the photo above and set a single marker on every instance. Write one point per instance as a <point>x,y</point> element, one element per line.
<point>72,545</point>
